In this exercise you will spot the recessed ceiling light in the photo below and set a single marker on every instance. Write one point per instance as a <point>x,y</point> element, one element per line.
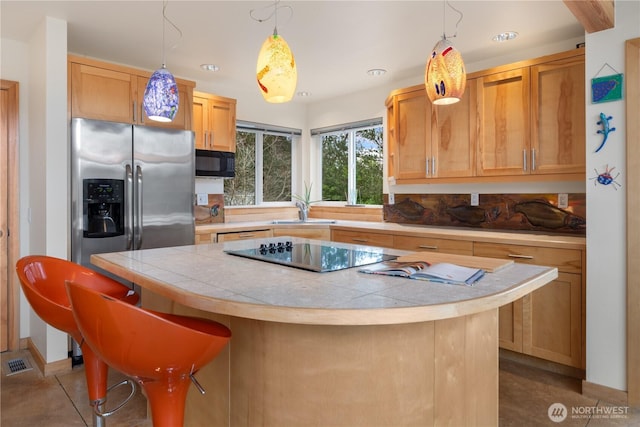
<point>210,67</point>
<point>376,72</point>
<point>504,37</point>
<point>304,93</point>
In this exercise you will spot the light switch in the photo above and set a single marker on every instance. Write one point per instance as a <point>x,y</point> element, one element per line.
<point>203,199</point>
<point>392,198</point>
<point>475,199</point>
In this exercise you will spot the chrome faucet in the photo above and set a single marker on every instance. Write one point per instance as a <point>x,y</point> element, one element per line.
<point>303,211</point>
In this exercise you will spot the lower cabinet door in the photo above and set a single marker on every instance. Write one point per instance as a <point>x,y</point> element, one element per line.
<point>552,319</point>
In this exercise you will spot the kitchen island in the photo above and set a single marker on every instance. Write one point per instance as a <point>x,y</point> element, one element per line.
<point>339,348</point>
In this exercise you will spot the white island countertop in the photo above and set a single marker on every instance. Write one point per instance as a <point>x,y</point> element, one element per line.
<point>206,278</point>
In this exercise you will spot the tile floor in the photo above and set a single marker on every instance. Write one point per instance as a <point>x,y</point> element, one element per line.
<point>30,400</point>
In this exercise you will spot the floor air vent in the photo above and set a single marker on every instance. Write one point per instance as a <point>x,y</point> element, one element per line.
<point>15,366</point>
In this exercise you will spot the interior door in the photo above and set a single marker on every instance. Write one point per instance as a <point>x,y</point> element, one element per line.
<point>4,252</point>
<point>9,220</point>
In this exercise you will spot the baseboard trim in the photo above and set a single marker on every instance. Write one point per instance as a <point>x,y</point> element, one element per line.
<point>601,392</point>
<point>48,369</point>
<point>545,365</point>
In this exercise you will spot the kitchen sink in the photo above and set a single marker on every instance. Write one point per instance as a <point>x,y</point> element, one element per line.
<point>299,221</point>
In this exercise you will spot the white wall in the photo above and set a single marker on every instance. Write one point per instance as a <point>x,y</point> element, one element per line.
<point>40,67</point>
<point>606,230</point>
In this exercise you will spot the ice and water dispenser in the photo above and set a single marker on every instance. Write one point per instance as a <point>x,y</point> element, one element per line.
<point>103,210</point>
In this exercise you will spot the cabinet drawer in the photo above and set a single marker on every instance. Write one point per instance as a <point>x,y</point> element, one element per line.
<point>362,238</point>
<point>412,243</point>
<point>566,260</point>
<point>241,235</point>
<point>308,233</point>
<point>205,238</point>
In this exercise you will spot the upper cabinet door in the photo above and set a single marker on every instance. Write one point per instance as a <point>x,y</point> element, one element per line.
<point>200,120</point>
<point>222,113</point>
<point>181,121</point>
<point>214,122</point>
<point>504,132</point>
<point>104,91</point>
<point>411,151</point>
<point>101,93</point>
<point>558,116</point>
<point>453,136</point>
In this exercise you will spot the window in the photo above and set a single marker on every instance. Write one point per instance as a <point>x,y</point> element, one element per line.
<point>352,162</point>
<point>263,165</point>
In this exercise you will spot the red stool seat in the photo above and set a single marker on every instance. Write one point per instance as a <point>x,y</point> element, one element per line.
<point>43,282</point>
<point>160,351</point>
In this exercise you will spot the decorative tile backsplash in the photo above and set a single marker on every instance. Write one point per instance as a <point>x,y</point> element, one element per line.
<point>535,212</point>
<point>212,212</point>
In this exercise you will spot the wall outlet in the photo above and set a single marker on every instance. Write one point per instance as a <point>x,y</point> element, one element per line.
<point>475,199</point>
<point>203,199</point>
<point>563,200</point>
<point>392,199</point>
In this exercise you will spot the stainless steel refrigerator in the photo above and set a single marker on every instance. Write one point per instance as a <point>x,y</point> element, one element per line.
<point>132,187</point>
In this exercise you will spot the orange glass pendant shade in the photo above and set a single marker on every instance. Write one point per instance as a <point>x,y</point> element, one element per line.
<point>276,70</point>
<point>445,78</point>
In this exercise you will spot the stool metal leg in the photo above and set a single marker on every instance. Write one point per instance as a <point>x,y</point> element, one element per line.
<point>99,411</point>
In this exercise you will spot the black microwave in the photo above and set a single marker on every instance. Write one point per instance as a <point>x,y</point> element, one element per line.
<point>215,163</point>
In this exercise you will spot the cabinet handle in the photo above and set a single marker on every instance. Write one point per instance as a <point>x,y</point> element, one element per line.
<point>246,236</point>
<point>355,239</point>
<point>533,159</point>
<point>520,256</point>
<point>427,165</point>
<point>433,166</point>
<point>435,248</point>
<point>524,160</point>
<point>135,109</point>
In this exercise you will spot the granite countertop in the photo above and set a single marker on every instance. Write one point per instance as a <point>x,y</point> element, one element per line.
<point>491,236</point>
<point>207,278</point>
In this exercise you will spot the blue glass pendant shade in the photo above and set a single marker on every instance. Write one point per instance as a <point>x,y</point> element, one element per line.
<point>161,96</point>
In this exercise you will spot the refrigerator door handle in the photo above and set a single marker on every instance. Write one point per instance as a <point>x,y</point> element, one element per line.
<point>138,208</point>
<point>128,223</point>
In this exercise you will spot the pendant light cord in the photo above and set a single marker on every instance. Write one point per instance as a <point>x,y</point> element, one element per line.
<point>444,36</point>
<point>165,19</point>
<point>273,14</point>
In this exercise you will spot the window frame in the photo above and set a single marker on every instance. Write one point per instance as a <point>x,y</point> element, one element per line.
<point>260,131</point>
<point>351,129</point>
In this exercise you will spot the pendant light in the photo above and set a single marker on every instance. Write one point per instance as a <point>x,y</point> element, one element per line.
<point>161,98</point>
<point>276,70</point>
<point>445,78</point>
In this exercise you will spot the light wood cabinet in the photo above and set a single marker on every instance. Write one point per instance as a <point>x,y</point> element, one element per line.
<point>524,120</point>
<point>549,322</point>
<point>427,141</point>
<point>243,235</point>
<point>532,118</point>
<point>362,237</point>
<point>503,114</point>
<point>306,232</point>
<point>558,116</point>
<point>214,122</point>
<point>103,91</point>
<point>422,244</point>
<point>453,136</point>
<point>205,238</point>
<point>410,131</point>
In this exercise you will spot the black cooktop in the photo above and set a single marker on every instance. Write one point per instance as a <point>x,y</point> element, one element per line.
<point>312,256</point>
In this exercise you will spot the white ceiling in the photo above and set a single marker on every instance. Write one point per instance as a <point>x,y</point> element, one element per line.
<point>334,42</point>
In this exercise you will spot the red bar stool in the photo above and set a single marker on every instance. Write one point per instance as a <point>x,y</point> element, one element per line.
<point>43,282</point>
<point>160,351</point>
